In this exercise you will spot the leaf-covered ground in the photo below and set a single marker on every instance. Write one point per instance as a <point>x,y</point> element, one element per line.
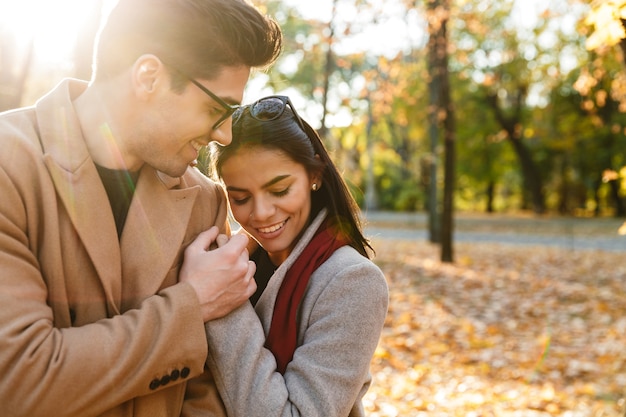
<point>504,331</point>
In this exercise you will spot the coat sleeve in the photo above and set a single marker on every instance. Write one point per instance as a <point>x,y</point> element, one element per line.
<point>98,366</point>
<point>202,398</point>
<point>79,371</point>
<point>331,366</point>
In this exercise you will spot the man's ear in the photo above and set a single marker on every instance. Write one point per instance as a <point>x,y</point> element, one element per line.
<point>146,73</point>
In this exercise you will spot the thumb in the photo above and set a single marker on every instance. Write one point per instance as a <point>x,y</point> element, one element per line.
<point>205,239</point>
<point>221,240</point>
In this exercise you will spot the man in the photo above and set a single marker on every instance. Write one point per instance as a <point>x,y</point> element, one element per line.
<point>101,314</point>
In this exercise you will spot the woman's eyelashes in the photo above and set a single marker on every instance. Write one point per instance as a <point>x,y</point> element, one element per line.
<point>240,201</point>
<point>281,193</point>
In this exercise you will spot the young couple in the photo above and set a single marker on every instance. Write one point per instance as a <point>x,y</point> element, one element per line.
<point>120,293</point>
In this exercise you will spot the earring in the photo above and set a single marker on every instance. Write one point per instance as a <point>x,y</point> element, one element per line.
<point>314,187</point>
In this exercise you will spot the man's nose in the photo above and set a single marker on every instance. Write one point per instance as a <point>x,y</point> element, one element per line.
<point>224,133</point>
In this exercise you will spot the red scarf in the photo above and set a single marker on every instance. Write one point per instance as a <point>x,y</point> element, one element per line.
<point>282,337</point>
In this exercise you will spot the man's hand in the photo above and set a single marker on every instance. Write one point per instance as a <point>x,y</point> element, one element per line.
<point>223,278</point>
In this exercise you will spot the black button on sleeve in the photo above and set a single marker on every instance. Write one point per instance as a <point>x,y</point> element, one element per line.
<point>165,380</point>
<point>175,375</point>
<point>154,384</point>
<point>184,373</point>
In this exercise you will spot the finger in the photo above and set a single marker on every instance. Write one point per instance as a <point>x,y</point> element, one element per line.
<point>250,272</point>
<point>238,242</point>
<point>251,282</point>
<point>204,240</point>
<point>221,240</point>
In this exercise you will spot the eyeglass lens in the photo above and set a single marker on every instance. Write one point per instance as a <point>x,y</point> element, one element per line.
<point>228,109</point>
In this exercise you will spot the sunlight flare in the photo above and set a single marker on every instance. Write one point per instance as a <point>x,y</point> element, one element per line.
<point>53,26</point>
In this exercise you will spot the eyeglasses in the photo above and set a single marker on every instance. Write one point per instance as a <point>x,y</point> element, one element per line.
<point>269,108</point>
<point>228,108</point>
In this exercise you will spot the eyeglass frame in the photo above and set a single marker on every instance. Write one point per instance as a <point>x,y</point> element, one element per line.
<point>229,108</point>
<point>284,99</point>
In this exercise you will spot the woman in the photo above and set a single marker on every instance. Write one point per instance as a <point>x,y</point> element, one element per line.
<point>320,302</point>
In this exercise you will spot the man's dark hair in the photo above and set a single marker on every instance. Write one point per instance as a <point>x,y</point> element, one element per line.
<point>199,37</point>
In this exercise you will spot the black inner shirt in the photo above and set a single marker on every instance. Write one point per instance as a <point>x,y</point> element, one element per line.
<point>120,187</point>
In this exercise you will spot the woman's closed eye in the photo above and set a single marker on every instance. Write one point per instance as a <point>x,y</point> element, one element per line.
<point>281,193</point>
<point>241,200</point>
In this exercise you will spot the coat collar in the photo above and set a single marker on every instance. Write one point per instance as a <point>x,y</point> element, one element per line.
<point>156,221</point>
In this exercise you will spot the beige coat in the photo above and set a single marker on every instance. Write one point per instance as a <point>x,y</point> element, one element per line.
<point>89,325</point>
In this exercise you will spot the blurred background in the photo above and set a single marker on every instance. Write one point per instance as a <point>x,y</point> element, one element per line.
<point>489,106</point>
<point>508,116</point>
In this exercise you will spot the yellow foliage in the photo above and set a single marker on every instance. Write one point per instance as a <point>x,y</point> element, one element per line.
<point>605,17</point>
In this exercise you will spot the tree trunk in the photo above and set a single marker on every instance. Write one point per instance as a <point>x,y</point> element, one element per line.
<point>620,210</point>
<point>371,198</point>
<point>449,126</point>
<point>533,183</point>
<point>532,178</point>
<point>441,114</point>
<point>596,197</point>
<point>491,189</point>
<point>435,71</point>
<point>323,131</point>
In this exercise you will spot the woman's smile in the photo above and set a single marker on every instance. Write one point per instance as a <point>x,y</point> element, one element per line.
<point>271,229</point>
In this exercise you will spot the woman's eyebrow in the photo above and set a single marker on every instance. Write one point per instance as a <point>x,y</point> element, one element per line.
<point>231,188</point>
<point>275,180</point>
<point>266,185</point>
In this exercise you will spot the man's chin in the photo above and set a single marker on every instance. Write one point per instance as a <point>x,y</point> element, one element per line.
<point>176,172</point>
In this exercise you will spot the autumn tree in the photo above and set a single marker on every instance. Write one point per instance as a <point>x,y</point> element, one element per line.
<point>377,149</point>
<point>490,43</point>
<point>513,90</point>
<point>605,89</point>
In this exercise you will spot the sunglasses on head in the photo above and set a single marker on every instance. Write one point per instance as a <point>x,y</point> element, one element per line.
<point>269,108</point>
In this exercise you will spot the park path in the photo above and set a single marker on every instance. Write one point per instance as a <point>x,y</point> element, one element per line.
<point>564,232</point>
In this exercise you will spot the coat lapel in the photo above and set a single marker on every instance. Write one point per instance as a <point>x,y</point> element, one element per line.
<point>154,234</point>
<point>83,195</point>
<point>79,187</point>
<point>157,219</point>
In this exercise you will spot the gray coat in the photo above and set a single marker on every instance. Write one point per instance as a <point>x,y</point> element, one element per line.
<point>340,320</point>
